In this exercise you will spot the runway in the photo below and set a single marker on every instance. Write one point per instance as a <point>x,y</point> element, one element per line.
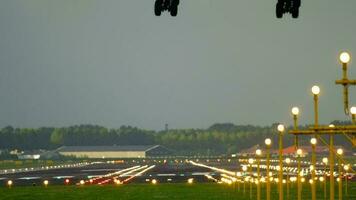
<point>109,172</point>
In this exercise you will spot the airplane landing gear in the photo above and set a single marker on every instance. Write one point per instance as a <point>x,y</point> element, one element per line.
<point>169,5</point>
<point>288,6</point>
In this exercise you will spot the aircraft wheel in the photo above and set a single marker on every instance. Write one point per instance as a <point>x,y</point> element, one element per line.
<point>174,10</point>
<point>279,10</point>
<point>158,7</point>
<point>295,12</point>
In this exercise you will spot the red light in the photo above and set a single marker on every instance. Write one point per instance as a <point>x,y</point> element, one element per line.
<point>67,181</point>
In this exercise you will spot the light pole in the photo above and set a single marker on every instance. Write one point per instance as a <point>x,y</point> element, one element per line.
<point>268,143</point>
<point>287,180</point>
<point>280,129</point>
<point>239,175</point>
<point>258,155</point>
<point>353,114</point>
<point>339,153</point>
<point>316,91</point>
<point>325,161</point>
<point>250,162</point>
<point>346,168</point>
<point>313,142</point>
<point>244,169</point>
<point>295,113</point>
<point>331,165</point>
<point>345,82</point>
<point>299,176</point>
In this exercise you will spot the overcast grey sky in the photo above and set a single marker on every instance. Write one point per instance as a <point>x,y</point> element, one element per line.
<point>113,63</point>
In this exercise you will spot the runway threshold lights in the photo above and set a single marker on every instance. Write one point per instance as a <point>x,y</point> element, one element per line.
<point>9,183</point>
<point>45,183</point>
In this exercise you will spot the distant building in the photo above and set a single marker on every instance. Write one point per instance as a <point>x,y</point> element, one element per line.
<point>29,155</point>
<point>114,151</point>
<point>250,151</point>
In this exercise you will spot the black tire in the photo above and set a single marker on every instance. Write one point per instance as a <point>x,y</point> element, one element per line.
<point>174,10</point>
<point>295,12</point>
<point>158,7</point>
<point>279,10</point>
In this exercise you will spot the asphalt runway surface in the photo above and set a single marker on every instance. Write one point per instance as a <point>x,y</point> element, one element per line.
<point>111,173</point>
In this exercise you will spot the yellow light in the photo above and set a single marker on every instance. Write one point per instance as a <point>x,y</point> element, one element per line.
<point>325,160</point>
<point>258,152</point>
<point>302,179</point>
<point>288,160</point>
<point>315,90</point>
<point>346,167</point>
<point>331,126</point>
<point>244,168</point>
<point>338,179</point>
<point>301,173</point>
<point>250,161</point>
<point>238,174</point>
<point>190,181</point>
<point>313,141</point>
<point>321,179</point>
<point>45,182</point>
<point>293,179</point>
<point>82,182</point>
<point>299,152</point>
<point>280,128</point>
<point>353,110</point>
<point>345,57</point>
<point>311,167</point>
<point>340,151</point>
<point>284,181</point>
<point>311,181</point>
<point>154,181</point>
<point>270,174</point>
<point>263,179</point>
<point>268,142</point>
<point>9,182</point>
<point>295,111</point>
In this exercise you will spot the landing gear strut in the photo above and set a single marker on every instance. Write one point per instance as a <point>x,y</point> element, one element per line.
<point>169,5</point>
<point>288,6</point>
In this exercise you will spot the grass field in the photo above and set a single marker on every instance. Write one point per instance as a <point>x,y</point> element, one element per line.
<point>145,191</point>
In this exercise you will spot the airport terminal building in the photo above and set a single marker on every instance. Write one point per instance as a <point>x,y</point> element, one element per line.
<point>134,151</point>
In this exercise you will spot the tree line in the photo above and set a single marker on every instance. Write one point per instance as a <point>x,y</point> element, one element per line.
<point>217,139</point>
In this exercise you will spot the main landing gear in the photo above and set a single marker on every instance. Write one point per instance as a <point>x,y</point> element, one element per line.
<point>288,6</point>
<point>169,5</point>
